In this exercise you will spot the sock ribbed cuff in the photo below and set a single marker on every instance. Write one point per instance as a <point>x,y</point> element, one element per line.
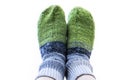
<point>52,66</point>
<point>78,65</point>
<point>50,72</point>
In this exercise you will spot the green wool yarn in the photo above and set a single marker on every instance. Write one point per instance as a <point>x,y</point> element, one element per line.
<point>80,29</point>
<point>52,25</point>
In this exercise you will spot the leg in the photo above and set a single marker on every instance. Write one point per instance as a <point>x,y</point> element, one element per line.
<point>45,78</point>
<point>80,44</point>
<point>86,77</point>
<point>52,41</point>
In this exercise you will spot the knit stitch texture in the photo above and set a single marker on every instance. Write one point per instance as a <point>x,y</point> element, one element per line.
<point>52,25</point>
<point>53,66</point>
<point>80,29</point>
<point>51,47</point>
<point>78,65</point>
<point>75,50</point>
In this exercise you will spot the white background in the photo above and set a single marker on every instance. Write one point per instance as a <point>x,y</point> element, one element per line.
<point>19,50</point>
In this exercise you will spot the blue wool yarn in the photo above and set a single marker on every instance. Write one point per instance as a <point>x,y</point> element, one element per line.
<point>53,55</point>
<point>78,65</point>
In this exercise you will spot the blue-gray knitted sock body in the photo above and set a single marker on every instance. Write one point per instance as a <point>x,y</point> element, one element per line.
<point>78,65</point>
<point>53,55</point>
<point>53,66</point>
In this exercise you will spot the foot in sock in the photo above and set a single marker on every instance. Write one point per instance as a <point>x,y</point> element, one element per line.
<point>52,41</point>
<point>80,43</point>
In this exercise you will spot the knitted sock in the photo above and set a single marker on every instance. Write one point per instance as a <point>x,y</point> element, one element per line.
<point>80,43</point>
<point>78,65</point>
<point>52,26</point>
<point>52,41</point>
<point>80,31</point>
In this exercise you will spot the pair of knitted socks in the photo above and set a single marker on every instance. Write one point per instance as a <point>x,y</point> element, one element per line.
<point>65,47</point>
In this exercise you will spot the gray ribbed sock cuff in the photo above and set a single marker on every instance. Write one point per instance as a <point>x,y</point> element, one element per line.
<point>53,66</point>
<point>78,65</point>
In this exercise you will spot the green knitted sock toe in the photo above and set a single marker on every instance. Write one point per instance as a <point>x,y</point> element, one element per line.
<point>80,29</point>
<point>52,25</point>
